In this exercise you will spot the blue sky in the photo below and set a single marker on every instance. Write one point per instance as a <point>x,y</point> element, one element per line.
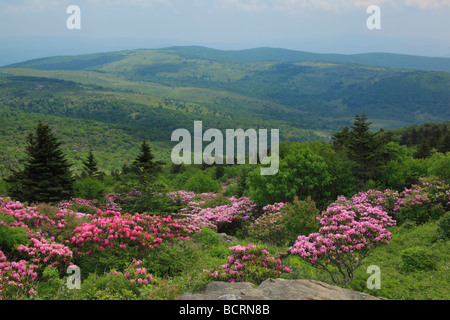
<point>251,22</point>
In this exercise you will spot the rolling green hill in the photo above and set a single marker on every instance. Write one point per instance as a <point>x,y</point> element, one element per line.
<point>250,55</point>
<point>146,94</point>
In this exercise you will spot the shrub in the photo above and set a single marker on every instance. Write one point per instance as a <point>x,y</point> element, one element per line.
<point>228,217</point>
<point>200,183</point>
<point>46,252</point>
<point>268,227</point>
<point>417,258</point>
<point>250,264</point>
<point>89,188</point>
<point>348,232</point>
<point>11,233</point>
<point>16,278</point>
<point>300,218</point>
<point>282,223</point>
<point>171,259</point>
<point>423,202</point>
<point>118,285</point>
<point>444,226</point>
<point>111,239</point>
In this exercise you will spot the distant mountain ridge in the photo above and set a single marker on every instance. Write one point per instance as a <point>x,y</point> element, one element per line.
<point>390,60</point>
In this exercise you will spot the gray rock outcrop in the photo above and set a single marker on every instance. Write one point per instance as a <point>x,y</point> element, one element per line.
<point>276,289</point>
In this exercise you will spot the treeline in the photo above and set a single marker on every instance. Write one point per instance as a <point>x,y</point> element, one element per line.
<point>356,159</point>
<point>426,138</point>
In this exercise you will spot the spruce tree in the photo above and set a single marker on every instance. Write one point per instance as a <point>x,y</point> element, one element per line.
<point>46,176</point>
<point>90,168</point>
<point>145,165</point>
<point>363,147</point>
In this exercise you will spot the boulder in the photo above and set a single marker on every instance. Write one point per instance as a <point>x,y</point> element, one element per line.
<point>225,238</point>
<point>276,289</point>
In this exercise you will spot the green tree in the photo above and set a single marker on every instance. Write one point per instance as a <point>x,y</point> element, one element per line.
<point>145,165</point>
<point>363,147</point>
<point>46,176</point>
<point>90,168</point>
<point>301,173</point>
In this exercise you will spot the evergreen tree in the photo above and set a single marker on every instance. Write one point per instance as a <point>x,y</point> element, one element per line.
<point>423,150</point>
<point>340,139</point>
<point>177,168</point>
<point>363,148</point>
<point>46,176</point>
<point>90,168</point>
<point>444,145</point>
<point>220,171</point>
<point>145,165</point>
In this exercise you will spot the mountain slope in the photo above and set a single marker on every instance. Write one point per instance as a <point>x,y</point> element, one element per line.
<point>249,55</point>
<point>147,94</point>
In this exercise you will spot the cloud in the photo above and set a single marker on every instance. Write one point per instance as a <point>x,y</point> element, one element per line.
<point>25,6</point>
<point>326,5</point>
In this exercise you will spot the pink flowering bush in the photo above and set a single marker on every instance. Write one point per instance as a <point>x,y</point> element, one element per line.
<point>181,196</point>
<point>80,206</point>
<point>46,252</point>
<point>29,215</point>
<point>426,201</point>
<point>249,263</point>
<point>195,223</point>
<point>16,278</point>
<point>349,230</point>
<point>111,237</point>
<point>225,214</point>
<point>419,203</point>
<point>50,221</point>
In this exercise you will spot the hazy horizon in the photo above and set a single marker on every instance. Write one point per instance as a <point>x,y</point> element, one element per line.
<point>31,29</point>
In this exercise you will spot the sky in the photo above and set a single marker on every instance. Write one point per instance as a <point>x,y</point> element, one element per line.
<point>240,23</point>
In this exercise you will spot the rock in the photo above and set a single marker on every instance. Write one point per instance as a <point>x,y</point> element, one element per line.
<point>216,289</point>
<point>276,289</point>
<point>230,297</point>
<point>225,238</point>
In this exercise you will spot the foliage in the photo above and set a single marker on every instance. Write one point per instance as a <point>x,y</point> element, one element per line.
<point>227,218</point>
<point>268,227</point>
<point>300,218</point>
<point>46,176</point>
<point>362,147</point>
<point>201,183</point>
<point>11,233</point>
<point>426,201</point>
<point>118,285</point>
<point>145,165</point>
<point>90,166</point>
<point>418,258</point>
<point>171,259</point>
<point>88,188</point>
<point>301,173</point>
<point>249,263</point>
<point>444,226</point>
